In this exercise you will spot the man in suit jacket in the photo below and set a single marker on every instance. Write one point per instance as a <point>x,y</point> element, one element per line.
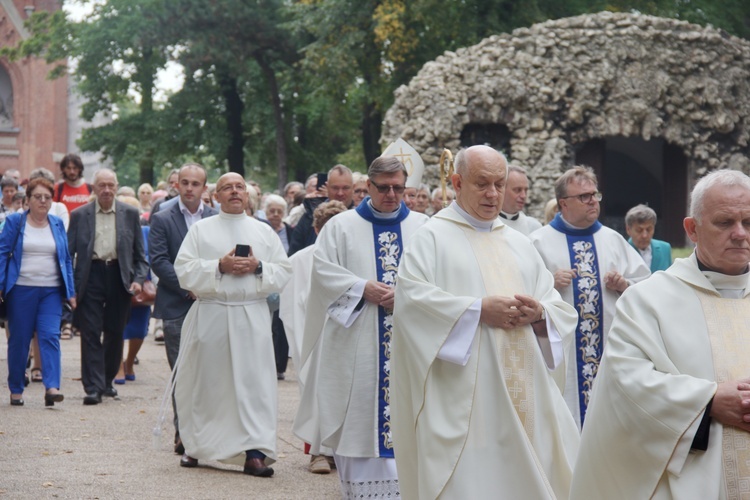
<point>106,244</point>
<point>640,222</point>
<point>168,228</point>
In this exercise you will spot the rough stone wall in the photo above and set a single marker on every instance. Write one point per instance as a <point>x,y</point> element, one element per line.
<point>563,82</point>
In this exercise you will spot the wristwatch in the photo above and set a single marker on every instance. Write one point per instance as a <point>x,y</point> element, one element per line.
<point>259,269</point>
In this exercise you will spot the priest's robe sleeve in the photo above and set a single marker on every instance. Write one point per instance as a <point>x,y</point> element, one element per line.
<point>644,410</point>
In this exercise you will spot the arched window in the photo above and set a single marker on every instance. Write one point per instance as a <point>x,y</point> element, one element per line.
<point>6,99</point>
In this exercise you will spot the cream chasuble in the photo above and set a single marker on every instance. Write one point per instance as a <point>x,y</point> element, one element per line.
<point>225,378</point>
<point>496,427</point>
<point>673,338</point>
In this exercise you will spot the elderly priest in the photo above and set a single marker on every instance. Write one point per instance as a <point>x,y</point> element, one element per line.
<point>670,411</point>
<point>478,327</point>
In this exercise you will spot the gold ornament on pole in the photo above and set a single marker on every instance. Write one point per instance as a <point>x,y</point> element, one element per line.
<point>446,171</point>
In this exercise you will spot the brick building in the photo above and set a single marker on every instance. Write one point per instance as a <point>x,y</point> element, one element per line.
<point>33,109</point>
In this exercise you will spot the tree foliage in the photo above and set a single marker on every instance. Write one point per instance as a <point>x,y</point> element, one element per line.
<point>278,89</point>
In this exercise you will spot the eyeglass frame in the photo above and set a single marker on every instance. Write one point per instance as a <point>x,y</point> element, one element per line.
<point>596,195</point>
<point>42,197</point>
<point>224,189</point>
<point>397,190</point>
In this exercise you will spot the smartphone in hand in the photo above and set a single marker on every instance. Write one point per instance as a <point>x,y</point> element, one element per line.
<point>242,251</point>
<point>322,180</point>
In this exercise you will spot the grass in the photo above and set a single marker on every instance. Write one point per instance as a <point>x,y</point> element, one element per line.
<point>679,253</point>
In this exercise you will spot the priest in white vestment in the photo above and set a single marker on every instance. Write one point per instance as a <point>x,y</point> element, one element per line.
<point>670,412</point>
<point>293,312</point>
<point>354,271</point>
<point>225,376</point>
<point>514,201</point>
<point>478,329</point>
<point>592,265</point>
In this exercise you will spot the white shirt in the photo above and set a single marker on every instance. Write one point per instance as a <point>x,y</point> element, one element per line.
<point>190,218</point>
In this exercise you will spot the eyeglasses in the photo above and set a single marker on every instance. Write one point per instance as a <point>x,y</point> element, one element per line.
<point>41,197</point>
<point>231,187</point>
<point>360,191</point>
<point>384,189</point>
<point>586,197</point>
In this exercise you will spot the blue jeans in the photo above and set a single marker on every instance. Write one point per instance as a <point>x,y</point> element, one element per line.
<point>30,309</point>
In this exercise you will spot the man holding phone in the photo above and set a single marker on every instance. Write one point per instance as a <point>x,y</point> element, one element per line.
<point>225,384</point>
<point>338,185</point>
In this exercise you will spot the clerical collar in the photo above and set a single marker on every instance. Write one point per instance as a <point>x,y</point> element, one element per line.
<point>484,226</point>
<point>566,227</point>
<point>368,212</point>
<point>382,215</point>
<point>508,216</point>
<point>225,215</point>
<point>722,281</point>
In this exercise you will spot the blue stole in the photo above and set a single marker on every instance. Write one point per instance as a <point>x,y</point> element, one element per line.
<point>388,250</point>
<point>587,298</point>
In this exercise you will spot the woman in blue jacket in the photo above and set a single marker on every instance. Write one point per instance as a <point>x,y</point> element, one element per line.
<point>36,274</point>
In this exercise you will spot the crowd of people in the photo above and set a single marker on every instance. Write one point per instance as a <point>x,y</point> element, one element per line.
<point>446,343</point>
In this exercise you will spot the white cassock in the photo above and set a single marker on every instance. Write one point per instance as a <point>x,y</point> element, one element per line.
<point>674,337</point>
<point>476,410</point>
<point>353,380</point>
<point>225,381</point>
<point>293,312</point>
<point>521,222</point>
<point>592,252</point>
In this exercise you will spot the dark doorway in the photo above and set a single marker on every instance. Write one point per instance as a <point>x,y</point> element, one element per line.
<point>632,171</point>
<point>495,135</point>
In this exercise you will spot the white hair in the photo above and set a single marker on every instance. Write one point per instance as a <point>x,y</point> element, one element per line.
<point>721,178</point>
<point>274,199</point>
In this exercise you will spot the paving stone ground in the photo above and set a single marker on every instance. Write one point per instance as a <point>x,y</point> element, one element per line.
<point>107,451</point>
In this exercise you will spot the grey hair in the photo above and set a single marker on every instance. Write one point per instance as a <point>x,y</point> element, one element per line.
<point>43,173</point>
<point>310,179</point>
<point>290,185</point>
<point>126,191</point>
<point>640,214</point>
<point>438,193</point>
<point>723,178</point>
<point>101,171</point>
<point>424,187</point>
<point>274,199</point>
<point>386,165</point>
<point>579,173</point>
<point>358,177</point>
<point>460,163</point>
<point>517,169</point>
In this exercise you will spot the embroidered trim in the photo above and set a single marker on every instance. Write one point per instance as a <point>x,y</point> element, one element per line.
<point>588,302</point>
<point>387,488</point>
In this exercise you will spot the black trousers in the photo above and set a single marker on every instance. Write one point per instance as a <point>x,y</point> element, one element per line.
<point>101,317</point>
<point>280,344</point>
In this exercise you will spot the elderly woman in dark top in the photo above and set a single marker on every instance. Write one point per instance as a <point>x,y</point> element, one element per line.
<point>36,275</point>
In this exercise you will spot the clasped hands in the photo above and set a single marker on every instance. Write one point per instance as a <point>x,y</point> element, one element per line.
<point>229,264</point>
<point>731,404</point>
<point>380,294</point>
<point>510,312</point>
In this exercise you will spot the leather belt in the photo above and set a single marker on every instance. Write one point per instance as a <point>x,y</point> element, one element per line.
<point>108,262</point>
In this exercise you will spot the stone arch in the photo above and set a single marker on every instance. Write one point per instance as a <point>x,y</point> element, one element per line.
<point>560,84</point>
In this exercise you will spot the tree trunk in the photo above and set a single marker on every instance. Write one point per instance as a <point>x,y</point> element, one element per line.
<point>278,118</point>
<point>146,77</point>
<point>372,122</point>
<point>233,113</point>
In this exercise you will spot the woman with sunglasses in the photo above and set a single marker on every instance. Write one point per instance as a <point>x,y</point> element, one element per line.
<point>36,274</point>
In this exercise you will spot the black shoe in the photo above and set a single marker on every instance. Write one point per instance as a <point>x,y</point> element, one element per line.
<point>16,402</point>
<point>110,392</point>
<point>51,399</point>
<point>92,398</point>
<point>256,467</point>
<point>188,461</point>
